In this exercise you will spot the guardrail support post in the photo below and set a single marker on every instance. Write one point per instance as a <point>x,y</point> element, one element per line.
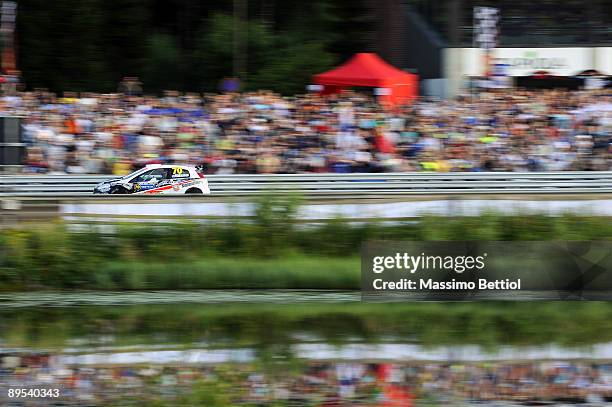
<point>10,209</point>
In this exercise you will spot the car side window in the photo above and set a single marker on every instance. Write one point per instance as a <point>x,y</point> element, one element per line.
<point>179,173</point>
<point>158,174</point>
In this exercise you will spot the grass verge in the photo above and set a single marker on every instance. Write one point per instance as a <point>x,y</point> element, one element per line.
<point>296,272</point>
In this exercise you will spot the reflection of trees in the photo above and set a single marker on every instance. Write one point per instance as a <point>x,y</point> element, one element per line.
<point>271,327</point>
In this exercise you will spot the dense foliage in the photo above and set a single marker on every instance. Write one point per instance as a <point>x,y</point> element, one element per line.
<point>272,251</point>
<point>89,45</point>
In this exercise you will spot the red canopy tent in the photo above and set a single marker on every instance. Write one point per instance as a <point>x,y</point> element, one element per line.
<point>367,69</point>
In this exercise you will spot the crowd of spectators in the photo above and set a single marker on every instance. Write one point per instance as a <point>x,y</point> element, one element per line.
<point>322,384</point>
<point>263,132</point>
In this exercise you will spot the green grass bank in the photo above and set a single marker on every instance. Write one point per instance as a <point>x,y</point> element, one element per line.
<point>274,251</point>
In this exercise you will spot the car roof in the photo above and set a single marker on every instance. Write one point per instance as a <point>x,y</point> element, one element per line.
<point>151,166</point>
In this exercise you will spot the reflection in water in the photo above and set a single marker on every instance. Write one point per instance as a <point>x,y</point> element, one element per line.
<point>284,382</point>
<point>324,351</point>
<point>327,349</point>
<point>73,298</point>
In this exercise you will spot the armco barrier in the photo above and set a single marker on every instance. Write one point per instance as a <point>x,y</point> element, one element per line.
<point>339,185</point>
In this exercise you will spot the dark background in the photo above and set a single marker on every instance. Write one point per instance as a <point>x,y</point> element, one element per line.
<point>89,45</point>
<point>190,45</point>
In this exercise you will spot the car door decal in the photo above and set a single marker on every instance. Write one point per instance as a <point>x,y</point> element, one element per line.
<point>158,190</point>
<point>176,187</point>
<point>144,186</point>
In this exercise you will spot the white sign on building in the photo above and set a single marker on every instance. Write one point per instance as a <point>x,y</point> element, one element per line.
<point>558,61</point>
<point>462,63</point>
<point>525,61</point>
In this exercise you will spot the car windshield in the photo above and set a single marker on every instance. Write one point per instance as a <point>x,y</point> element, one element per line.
<point>135,173</point>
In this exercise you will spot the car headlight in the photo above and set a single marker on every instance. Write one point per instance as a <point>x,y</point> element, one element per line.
<point>103,188</point>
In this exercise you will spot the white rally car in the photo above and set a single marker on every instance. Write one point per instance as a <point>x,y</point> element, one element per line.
<point>158,179</point>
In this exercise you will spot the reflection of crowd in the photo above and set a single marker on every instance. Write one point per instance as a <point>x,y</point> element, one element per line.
<point>265,133</point>
<point>315,384</point>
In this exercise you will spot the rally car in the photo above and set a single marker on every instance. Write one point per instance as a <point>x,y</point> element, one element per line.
<point>158,179</point>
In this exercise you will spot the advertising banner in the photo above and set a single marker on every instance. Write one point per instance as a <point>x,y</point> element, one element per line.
<point>567,61</point>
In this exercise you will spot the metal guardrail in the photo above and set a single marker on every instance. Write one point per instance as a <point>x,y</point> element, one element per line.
<point>350,185</point>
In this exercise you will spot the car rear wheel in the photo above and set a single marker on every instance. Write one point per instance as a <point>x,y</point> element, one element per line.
<point>193,191</point>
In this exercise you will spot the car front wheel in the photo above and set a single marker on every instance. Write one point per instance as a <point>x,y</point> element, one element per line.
<point>119,190</point>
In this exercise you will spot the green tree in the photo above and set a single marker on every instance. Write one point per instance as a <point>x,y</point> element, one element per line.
<point>281,62</point>
<point>183,44</point>
<point>212,58</point>
<point>127,32</point>
<point>164,65</point>
<point>290,68</point>
<point>214,55</point>
<point>61,46</point>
